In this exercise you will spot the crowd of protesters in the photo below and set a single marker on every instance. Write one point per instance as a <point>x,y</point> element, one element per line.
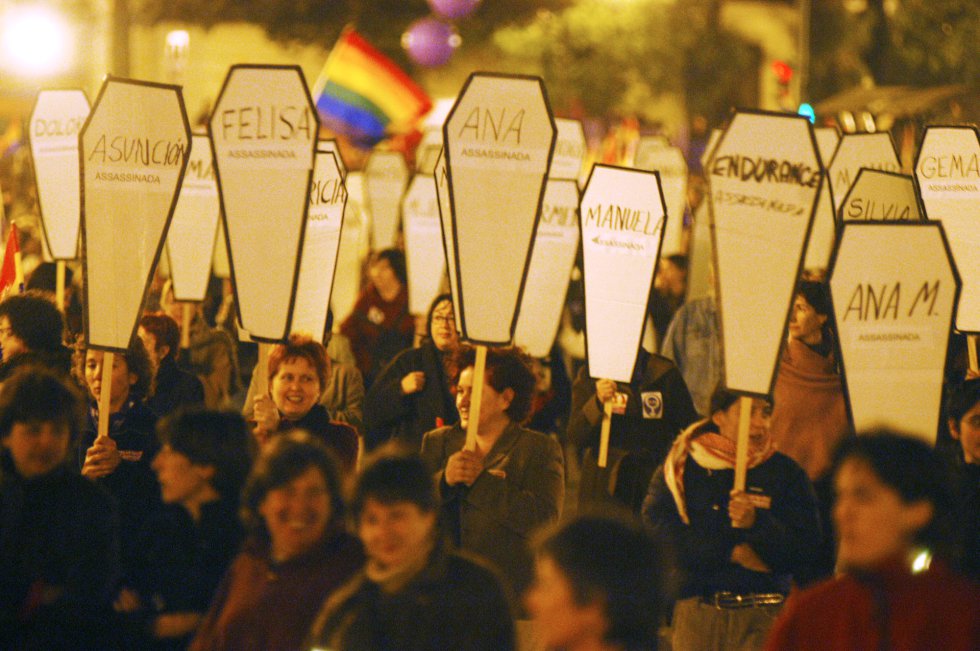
<point>347,507</point>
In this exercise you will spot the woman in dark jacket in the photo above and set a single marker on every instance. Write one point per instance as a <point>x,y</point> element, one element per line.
<point>297,554</point>
<point>414,393</point>
<point>413,593</point>
<point>297,375</point>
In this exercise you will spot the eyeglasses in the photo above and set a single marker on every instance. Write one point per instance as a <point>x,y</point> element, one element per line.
<point>444,320</point>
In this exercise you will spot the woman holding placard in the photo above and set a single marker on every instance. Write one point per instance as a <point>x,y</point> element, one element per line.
<point>495,494</point>
<point>297,374</point>
<point>809,418</point>
<point>121,460</point>
<point>414,394</point>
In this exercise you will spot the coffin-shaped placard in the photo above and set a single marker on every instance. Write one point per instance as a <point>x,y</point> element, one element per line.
<point>555,245</point>
<point>219,263</point>
<point>324,224</point>
<point>499,140</point>
<point>428,152</point>
<point>191,239</point>
<point>566,164</point>
<point>425,257</point>
<point>264,130</point>
<point>134,150</point>
<point>701,255</point>
<point>947,170</point>
<point>881,196</point>
<point>385,179</point>
<point>354,246</point>
<point>764,179</point>
<point>57,118</point>
<point>330,145</point>
<point>670,162</point>
<point>856,150</point>
<point>622,222</point>
<point>441,181</point>
<point>893,311</point>
<point>827,140</point>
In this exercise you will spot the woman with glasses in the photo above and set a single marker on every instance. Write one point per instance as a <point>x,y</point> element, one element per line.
<point>414,393</point>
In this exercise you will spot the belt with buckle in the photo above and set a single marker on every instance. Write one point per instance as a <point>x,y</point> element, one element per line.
<point>726,599</point>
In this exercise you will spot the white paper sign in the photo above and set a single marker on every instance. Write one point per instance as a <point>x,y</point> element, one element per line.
<point>385,180</point>
<point>57,118</point>
<point>622,221</point>
<point>948,173</point>
<point>134,150</point>
<point>669,161</point>
<point>324,222</point>
<point>764,179</point>
<point>856,150</point>
<point>427,153</point>
<point>566,164</point>
<point>827,140</point>
<point>499,139</point>
<point>893,311</point>
<point>329,145</point>
<point>263,131</point>
<point>425,258</point>
<point>555,245</point>
<point>191,239</point>
<point>441,180</point>
<point>881,196</point>
<point>354,245</point>
<point>219,263</point>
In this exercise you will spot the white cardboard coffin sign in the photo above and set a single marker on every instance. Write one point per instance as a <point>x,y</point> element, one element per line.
<point>827,140</point>
<point>893,311</point>
<point>191,239</point>
<point>329,145</point>
<point>566,164</point>
<point>555,245</point>
<point>354,245</point>
<point>622,222</point>
<point>856,150</point>
<point>499,139</point>
<point>764,178</point>
<point>220,264</point>
<point>427,153</point>
<point>57,118</point>
<point>824,231</point>
<point>324,223</point>
<point>134,150</point>
<point>670,162</point>
<point>385,180</point>
<point>948,173</point>
<point>881,196</point>
<point>263,131</point>
<point>425,258</point>
<point>441,181</point>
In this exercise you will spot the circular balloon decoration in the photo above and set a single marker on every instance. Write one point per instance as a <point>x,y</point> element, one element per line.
<point>430,41</point>
<point>454,9</point>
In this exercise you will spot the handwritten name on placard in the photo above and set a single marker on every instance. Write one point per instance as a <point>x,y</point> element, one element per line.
<point>58,128</point>
<point>500,134</point>
<point>566,162</point>
<point>871,303</point>
<point>618,217</point>
<point>766,170</point>
<point>881,196</point>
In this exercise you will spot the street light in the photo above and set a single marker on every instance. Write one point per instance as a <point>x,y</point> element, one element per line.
<point>34,41</point>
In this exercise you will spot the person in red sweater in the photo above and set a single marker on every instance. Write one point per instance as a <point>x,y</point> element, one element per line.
<point>895,592</point>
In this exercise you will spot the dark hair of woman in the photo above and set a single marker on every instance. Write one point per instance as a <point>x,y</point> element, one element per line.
<point>507,368</point>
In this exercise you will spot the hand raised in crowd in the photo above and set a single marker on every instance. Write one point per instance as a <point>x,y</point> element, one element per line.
<point>744,555</point>
<point>741,510</point>
<point>101,459</point>
<point>266,417</point>
<point>413,382</point>
<point>605,390</point>
<point>463,468</point>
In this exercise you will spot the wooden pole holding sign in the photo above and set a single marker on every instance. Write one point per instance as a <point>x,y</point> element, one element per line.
<point>742,445</point>
<point>59,287</point>
<point>186,315</point>
<point>607,408</point>
<point>105,393</point>
<point>971,345</point>
<point>262,370</point>
<point>476,397</point>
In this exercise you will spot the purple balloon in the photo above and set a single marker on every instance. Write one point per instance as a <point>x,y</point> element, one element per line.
<point>430,41</point>
<point>454,9</point>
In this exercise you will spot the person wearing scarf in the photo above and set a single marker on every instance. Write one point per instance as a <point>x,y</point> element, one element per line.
<point>413,593</point>
<point>736,551</point>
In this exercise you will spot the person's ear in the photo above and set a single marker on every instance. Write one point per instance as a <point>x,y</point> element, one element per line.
<point>508,397</point>
<point>954,428</point>
<point>822,319</point>
<point>133,379</point>
<point>917,515</point>
<point>163,351</point>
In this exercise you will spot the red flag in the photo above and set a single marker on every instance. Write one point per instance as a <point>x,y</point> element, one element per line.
<point>11,274</point>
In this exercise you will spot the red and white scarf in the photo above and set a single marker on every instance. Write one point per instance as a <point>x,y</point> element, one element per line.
<point>710,450</point>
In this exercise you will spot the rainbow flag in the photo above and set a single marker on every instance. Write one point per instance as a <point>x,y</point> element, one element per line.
<point>364,95</point>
